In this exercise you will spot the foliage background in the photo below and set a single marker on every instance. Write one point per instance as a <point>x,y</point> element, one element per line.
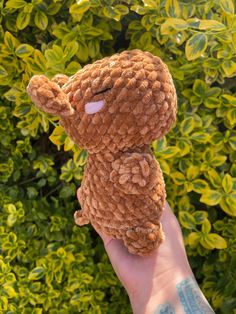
<point>47,264</point>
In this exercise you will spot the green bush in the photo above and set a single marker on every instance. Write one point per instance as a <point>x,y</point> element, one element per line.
<point>47,264</point>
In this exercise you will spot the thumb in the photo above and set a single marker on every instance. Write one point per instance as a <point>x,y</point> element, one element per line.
<point>115,249</point>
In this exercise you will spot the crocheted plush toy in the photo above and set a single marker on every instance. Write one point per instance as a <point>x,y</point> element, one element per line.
<point>114,108</point>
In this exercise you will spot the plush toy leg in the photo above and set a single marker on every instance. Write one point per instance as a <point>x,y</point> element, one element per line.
<point>142,240</point>
<point>48,96</point>
<point>80,220</point>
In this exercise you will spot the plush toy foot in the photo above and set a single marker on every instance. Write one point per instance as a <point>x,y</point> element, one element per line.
<point>48,96</point>
<point>80,220</point>
<point>143,240</point>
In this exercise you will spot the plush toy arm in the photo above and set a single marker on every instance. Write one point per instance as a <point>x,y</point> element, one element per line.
<point>135,173</point>
<point>48,96</point>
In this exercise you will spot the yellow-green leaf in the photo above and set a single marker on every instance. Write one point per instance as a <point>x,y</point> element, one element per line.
<point>227,6</point>
<point>200,136</point>
<point>195,46</point>
<point>232,142</point>
<point>186,219</point>
<point>24,50</point>
<point>93,48</point>
<point>122,9</point>
<point>212,25</point>
<point>4,303</point>
<point>199,88</point>
<point>15,4</point>
<point>200,216</point>
<point>11,220</point>
<point>80,7</point>
<point>146,39</point>
<point>211,63</point>
<point>231,116</point>
<point>228,204</point>
<point>37,273</point>
<point>184,203</point>
<point>193,238</point>
<point>70,50</point>
<point>112,13</point>
<point>192,172</point>
<point>164,166</point>
<point>206,226</point>
<point>72,68</point>
<point>184,146</point>
<point>214,177</point>
<point>218,160</point>
<point>10,41</point>
<point>54,55</point>
<point>229,99</point>
<point>187,9</point>
<point>151,3</point>
<point>82,53</point>
<point>208,155</point>
<point>3,71</point>
<point>10,291</point>
<point>229,67</point>
<point>85,297</point>
<point>199,186</point>
<point>216,240</point>
<point>227,183</point>
<point>40,60</point>
<point>172,8</point>
<point>69,144</point>
<point>80,157</point>
<point>41,20</point>
<point>58,136</point>
<point>22,20</point>
<point>148,21</point>
<point>187,125</point>
<point>211,197</point>
<point>206,244</point>
<point>178,178</point>
<point>169,151</point>
<point>173,23</point>
<point>138,9</point>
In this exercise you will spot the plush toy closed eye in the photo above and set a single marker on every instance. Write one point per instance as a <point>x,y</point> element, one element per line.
<point>114,108</point>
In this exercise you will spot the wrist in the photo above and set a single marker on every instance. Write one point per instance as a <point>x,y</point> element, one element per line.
<point>161,290</point>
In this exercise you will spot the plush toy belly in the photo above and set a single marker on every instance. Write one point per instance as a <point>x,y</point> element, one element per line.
<point>123,196</point>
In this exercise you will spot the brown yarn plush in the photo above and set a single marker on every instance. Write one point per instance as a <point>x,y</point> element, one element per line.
<point>122,192</point>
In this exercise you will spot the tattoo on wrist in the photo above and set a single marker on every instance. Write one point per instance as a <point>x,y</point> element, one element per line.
<point>166,308</point>
<point>191,299</point>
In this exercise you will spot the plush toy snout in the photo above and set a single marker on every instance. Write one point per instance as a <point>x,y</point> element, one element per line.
<point>49,97</point>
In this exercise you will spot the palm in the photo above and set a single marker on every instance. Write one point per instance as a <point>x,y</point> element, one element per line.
<point>136,271</point>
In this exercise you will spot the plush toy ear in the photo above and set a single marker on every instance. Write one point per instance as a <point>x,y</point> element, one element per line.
<point>49,97</point>
<point>60,79</point>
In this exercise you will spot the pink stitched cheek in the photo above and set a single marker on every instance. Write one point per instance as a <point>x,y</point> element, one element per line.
<point>93,107</point>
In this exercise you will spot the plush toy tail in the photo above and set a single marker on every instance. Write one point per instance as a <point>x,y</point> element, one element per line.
<point>145,239</point>
<point>48,96</point>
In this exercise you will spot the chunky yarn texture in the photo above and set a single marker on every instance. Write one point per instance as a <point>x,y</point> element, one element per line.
<point>114,108</point>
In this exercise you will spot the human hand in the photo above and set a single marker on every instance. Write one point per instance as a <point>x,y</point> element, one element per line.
<point>150,280</point>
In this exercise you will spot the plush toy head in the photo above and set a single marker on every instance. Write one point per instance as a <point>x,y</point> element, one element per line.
<point>123,101</point>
